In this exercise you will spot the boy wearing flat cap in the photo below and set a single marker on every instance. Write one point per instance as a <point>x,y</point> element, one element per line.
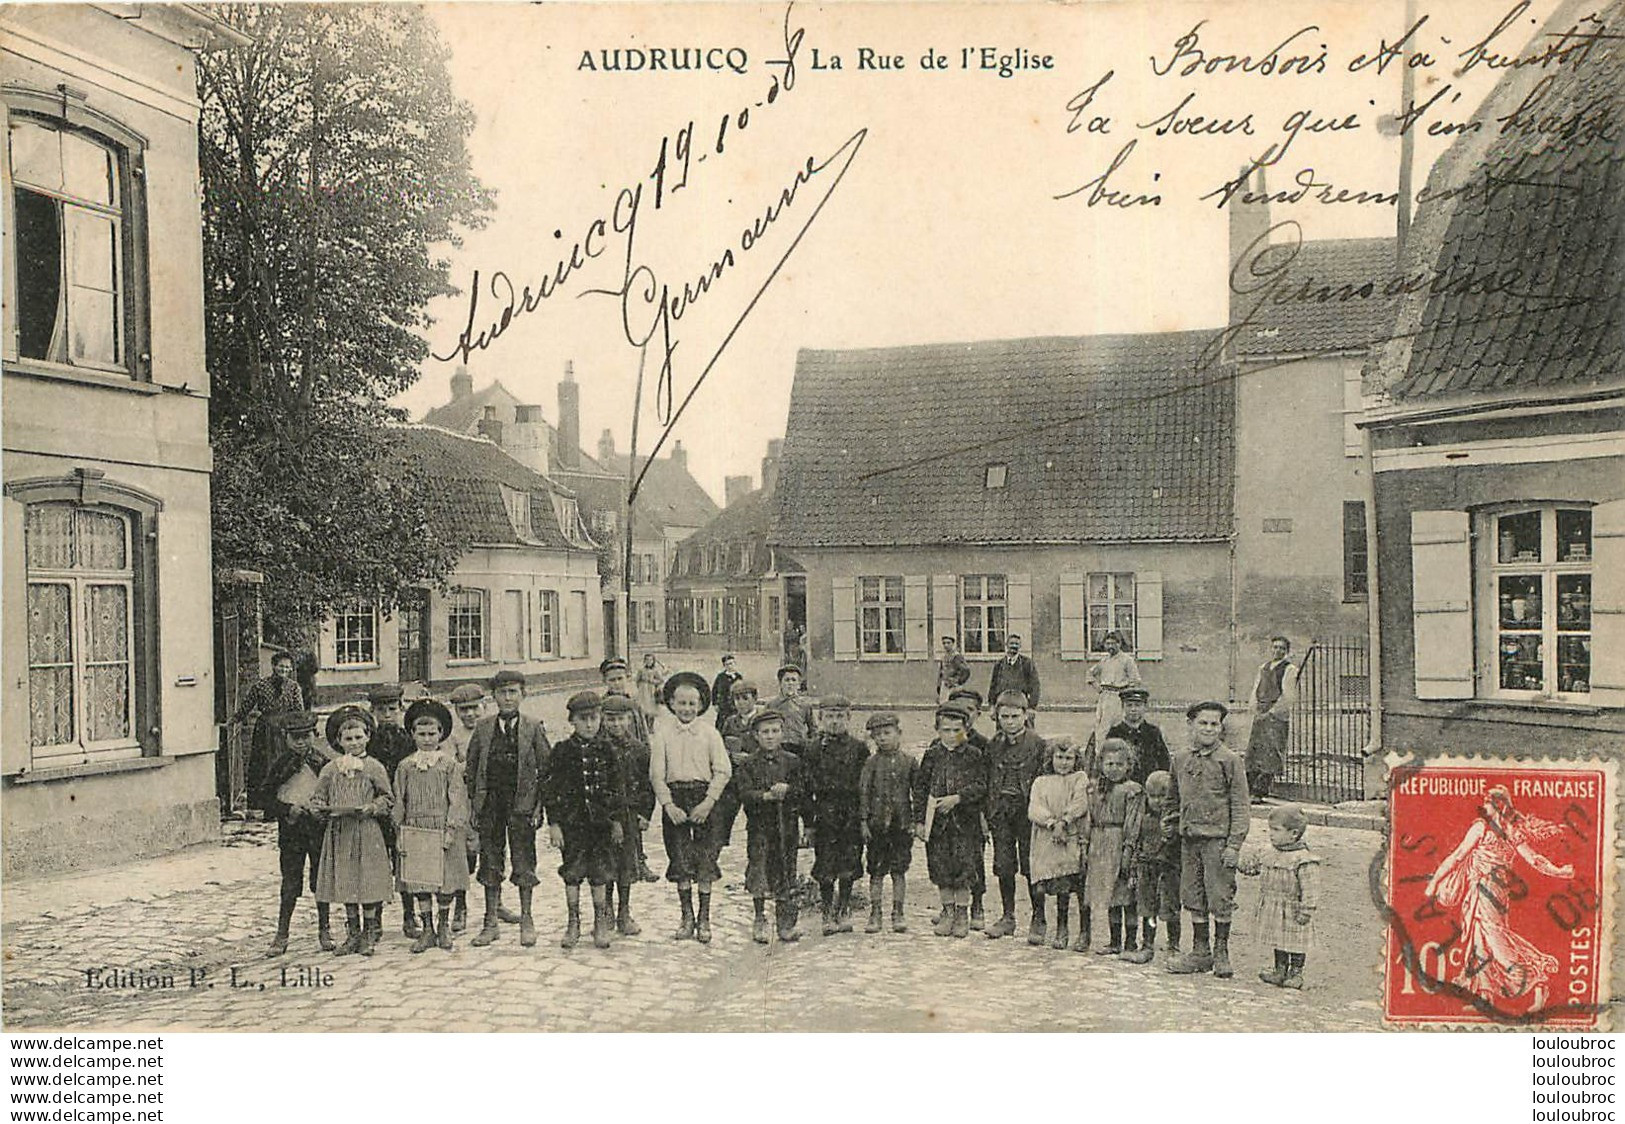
<point>638,800</point>
<point>886,816</point>
<point>281,780</point>
<point>391,745</point>
<point>971,700</point>
<point>1015,757</point>
<point>1150,750</point>
<point>950,793</point>
<point>467,702</point>
<point>737,738</point>
<point>582,789</point>
<point>689,769</point>
<point>772,785</point>
<point>1210,792</point>
<point>506,756</point>
<point>617,677</point>
<point>835,766</point>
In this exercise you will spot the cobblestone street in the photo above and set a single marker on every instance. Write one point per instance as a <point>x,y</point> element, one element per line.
<point>213,909</point>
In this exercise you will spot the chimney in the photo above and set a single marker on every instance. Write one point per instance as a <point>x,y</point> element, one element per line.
<point>679,456</point>
<point>527,443</point>
<point>734,489</point>
<point>490,427</point>
<point>569,446</point>
<point>462,383</point>
<point>606,447</point>
<point>770,465</point>
<point>1249,224</point>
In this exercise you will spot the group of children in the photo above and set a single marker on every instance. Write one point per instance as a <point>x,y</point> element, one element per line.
<point>1133,833</point>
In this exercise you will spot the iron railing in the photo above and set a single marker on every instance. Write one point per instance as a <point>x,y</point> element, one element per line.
<point>1330,723</point>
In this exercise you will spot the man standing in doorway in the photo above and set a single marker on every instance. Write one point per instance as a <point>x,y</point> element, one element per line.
<point>1273,692</point>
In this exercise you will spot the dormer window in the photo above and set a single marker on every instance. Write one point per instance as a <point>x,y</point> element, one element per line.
<point>569,513</point>
<point>996,475</point>
<point>517,504</point>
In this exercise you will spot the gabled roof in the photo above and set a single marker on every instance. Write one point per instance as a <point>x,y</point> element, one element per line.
<point>1336,297</point>
<point>468,474</point>
<point>463,414</point>
<point>746,521</point>
<point>1550,204</point>
<point>1103,439</point>
<point>669,494</point>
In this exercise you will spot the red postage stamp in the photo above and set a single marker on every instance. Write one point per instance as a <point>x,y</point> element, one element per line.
<point>1499,893</point>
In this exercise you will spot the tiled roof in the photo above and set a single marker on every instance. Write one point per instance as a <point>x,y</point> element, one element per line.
<point>1334,297</point>
<point>1547,204</point>
<point>669,494</point>
<point>467,473</point>
<point>463,414</point>
<point>747,520</point>
<point>1104,439</point>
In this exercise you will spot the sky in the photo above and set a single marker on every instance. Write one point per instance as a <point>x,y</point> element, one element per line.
<point>932,214</point>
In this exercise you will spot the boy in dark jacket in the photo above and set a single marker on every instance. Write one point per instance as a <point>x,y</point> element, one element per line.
<point>950,793</point>
<point>281,779</point>
<point>1015,756</point>
<point>886,815</point>
<point>583,794</point>
<point>1156,874</point>
<point>1150,750</point>
<point>506,754</point>
<point>620,727</point>
<point>835,766</point>
<point>772,785</point>
<point>736,736</point>
<point>391,745</point>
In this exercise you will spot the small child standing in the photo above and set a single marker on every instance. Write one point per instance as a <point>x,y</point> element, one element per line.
<point>772,785</point>
<point>353,793</point>
<point>1059,812</point>
<point>950,792</point>
<point>835,761</point>
<point>886,816</point>
<point>1115,813</point>
<point>621,721</point>
<point>1287,896</point>
<point>430,796</point>
<point>468,701</point>
<point>582,791</point>
<point>1156,874</point>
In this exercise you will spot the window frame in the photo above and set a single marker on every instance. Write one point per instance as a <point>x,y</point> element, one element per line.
<point>982,605</point>
<point>1489,570</point>
<point>361,609</point>
<point>1356,553</point>
<point>454,605</point>
<point>883,604</point>
<point>66,111</point>
<point>89,487</point>
<point>1094,647</point>
<point>545,637</point>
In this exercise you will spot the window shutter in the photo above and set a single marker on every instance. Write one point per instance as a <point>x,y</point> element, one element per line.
<point>1608,604</point>
<point>944,609</point>
<point>916,622</point>
<point>1018,600</point>
<point>327,645</point>
<point>845,615</point>
<point>1074,611</point>
<point>1441,605</point>
<point>1148,615</point>
<point>14,748</point>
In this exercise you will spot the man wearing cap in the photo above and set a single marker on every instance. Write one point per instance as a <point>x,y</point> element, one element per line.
<point>886,816</point>
<point>722,689</point>
<point>583,792</point>
<point>689,769</point>
<point>1150,750</point>
<point>793,709</point>
<point>617,677</point>
<point>772,786</point>
<point>1210,791</point>
<point>281,780</point>
<point>952,670</point>
<point>1015,672</point>
<point>467,701</point>
<point>391,745</point>
<point>835,765</point>
<point>506,756</point>
<point>1015,757</point>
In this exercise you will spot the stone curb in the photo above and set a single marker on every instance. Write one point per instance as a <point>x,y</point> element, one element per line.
<point>1320,815</point>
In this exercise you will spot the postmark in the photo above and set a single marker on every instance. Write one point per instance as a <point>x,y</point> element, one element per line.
<point>1498,892</point>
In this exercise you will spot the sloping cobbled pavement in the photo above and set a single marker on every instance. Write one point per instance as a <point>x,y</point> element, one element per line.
<point>213,909</point>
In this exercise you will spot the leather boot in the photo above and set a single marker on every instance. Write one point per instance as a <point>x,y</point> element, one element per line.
<point>1198,960</point>
<point>876,919</point>
<point>372,924</point>
<point>685,927</point>
<point>961,923</point>
<point>944,924</point>
<point>572,926</point>
<point>1221,958</point>
<point>601,927</point>
<point>426,935</point>
<point>504,914</point>
<point>409,923</point>
<point>284,919</point>
<point>702,926</point>
<point>443,930</point>
<point>1037,932</point>
<point>324,926</point>
<point>488,930</point>
<point>898,923</point>
<point>1061,938</point>
<point>624,923</point>
<point>843,908</point>
<point>827,911</point>
<point>1274,976</point>
<point>759,930</point>
<point>527,925</point>
<point>459,918</point>
<point>785,913</point>
<point>976,920</point>
<point>352,934</point>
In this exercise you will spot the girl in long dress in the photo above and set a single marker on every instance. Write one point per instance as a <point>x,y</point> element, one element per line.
<point>1059,810</point>
<point>1498,963</point>
<point>1115,811</point>
<point>430,794</point>
<point>353,792</point>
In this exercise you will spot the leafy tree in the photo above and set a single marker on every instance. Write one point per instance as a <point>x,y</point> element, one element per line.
<point>335,170</point>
